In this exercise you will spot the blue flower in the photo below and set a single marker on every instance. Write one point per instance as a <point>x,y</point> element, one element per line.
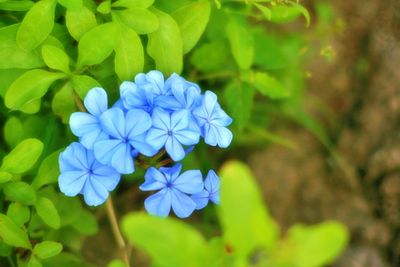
<point>127,132</point>
<point>213,121</point>
<point>172,131</point>
<point>86,125</point>
<point>174,190</point>
<point>133,96</point>
<point>210,191</point>
<point>154,80</point>
<point>82,174</point>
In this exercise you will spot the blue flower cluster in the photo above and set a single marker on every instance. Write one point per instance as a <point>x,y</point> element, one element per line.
<point>151,115</point>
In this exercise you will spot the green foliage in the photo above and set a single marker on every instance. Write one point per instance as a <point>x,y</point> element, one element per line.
<point>47,249</point>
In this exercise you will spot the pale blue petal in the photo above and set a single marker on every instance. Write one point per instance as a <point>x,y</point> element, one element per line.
<point>189,182</point>
<point>187,137</point>
<point>94,193</point>
<point>174,149</point>
<point>225,137</point>
<point>82,123</point>
<point>180,120</point>
<point>107,176</point>
<point>113,123</point>
<point>140,144</point>
<point>156,138</point>
<point>159,204</point>
<point>161,119</point>
<point>220,118</point>
<point>88,140</point>
<point>167,102</point>
<point>215,197</point>
<point>209,102</point>
<point>137,123</point>
<point>171,173</point>
<point>157,175</point>
<point>122,160</point>
<point>96,101</point>
<point>75,156</point>
<point>151,184</point>
<point>104,150</point>
<point>182,204</point>
<point>210,135</point>
<point>212,182</point>
<point>156,78</point>
<point>71,182</point>
<point>201,199</point>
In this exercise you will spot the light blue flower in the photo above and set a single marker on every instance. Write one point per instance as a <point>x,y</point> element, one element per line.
<point>213,121</point>
<point>210,191</point>
<point>82,174</point>
<point>127,132</point>
<point>153,80</point>
<point>173,190</point>
<point>133,96</point>
<point>172,131</point>
<point>86,126</point>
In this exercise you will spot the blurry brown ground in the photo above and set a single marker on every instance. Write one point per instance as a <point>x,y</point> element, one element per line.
<point>306,184</point>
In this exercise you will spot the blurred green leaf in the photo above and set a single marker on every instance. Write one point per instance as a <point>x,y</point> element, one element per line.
<point>63,102</point>
<point>47,249</point>
<point>79,21</point>
<point>31,107</point>
<point>48,212</point>
<point>239,102</point>
<point>145,232</point>
<point>19,213</point>
<point>55,58</point>
<point>21,192</point>
<point>284,13</point>
<point>68,208</point>
<point>23,156</point>
<point>7,77</point>
<point>244,218</point>
<point>12,234</point>
<point>210,56</point>
<point>241,41</point>
<point>133,3</point>
<point>140,20</point>
<point>5,177</point>
<point>48,171</point>
<point>97,44</point>
<point>71,4</point>
<point>36,25</point>
<point>265,10</point>
<point>12,56</point>
<point>116,263</point>
<point>192,20</point>
<point>129,55</point>
<point>16,5</point>
<point>104,7</point>
<point>5,250</point>
<point>13,131</point>
<point>30,86</point>
<point>266,85</point>
<point>168,56</point>
<point>86,223</point>
<point>34,262</point>
<point>83,83</point>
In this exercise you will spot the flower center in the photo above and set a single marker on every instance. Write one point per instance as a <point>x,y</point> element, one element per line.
<point>168,185</point>
<point>169,132</point>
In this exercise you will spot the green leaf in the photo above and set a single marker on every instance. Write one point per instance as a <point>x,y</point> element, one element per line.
<point>13,235</point>
<point>97,44</point>
<point>13,131</point>
<point>86,223</point>
<point>47,249</point>
<point>133,3</point>
<point>192,21</point>
<point>68,208</point>
<point>16,5</point>
<point>145,232</point>
<point>265,10</point>
<point>165,45</point>
<point>104,7</point>
<point>267,85</point>
<point>129,56</point>
<point>210,56</point>
<point>31,107</point>
<point>55,58</point>
<point>304,12</point>
<point>140,20</point>
<point>71,4</point>
<point>34,262</point>
<point>325,242</point>
<point>83,83</point>
<point>48,171</point>
<point>79,21</point>
<point>12,56</point>
<point>63,102</point>
<point>241,41</point>
<point>36,25</point>
<point>5,250</point>
<point>48,212</point>
<point>7,77</point>
<point>5,177</point>
<point>285,14</point>
<point>116,263</point>
<point>239,102</point>
<point>21,192</point>
<point>242,213</point>
<point>19,213</point>
<point>30,86</point>
<point>23,156</point>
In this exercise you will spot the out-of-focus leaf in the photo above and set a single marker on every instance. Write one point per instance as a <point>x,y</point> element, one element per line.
<point>47,249</point>
<point>284,14</point>
<point>16,5</point>
<point>65,259</point>
<point>140,20</point>
<point>104,7</point>
<point>192,20</point>
<point>241,41</point>
<point>12,56</point>
<point>30,86</point>
<point>116,263</point>
<point>71,4</point>
<point>5,177</point>
<point>68,208</point>
<point>34,262</point>
<point>265,10</point>
<point>36,25</point>
<point>13,235</point>
<point>86,223</point>
<point>48,171</point>
<point>21,192</point>
<point>23,156</point>
<point>48,212</point>
<point>83,83</point>
<point>243,215</point>
<point>63,102</point>
<point>266,85</point>
<point>13,131</point>
<point>146,231</point>
<point>79,21</point>
<point>239,102</point>
<point>31,107</point>
<point>168,56</point>
<point>55,58</point>
<point>269,51</point>
<point>97,44</point>
<point>210,56</point>
<point>133,3</point>
<point>129,56</point>
<point>7,77</point>
<point>19,213</point>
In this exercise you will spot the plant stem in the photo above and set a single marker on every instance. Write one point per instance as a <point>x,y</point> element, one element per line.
<point>117,232</point>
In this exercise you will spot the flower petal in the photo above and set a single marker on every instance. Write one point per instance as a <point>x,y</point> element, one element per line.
<point>113,123</point>
<point>161,119</point>
<point>201,199</point>
<point>88,140</point>
<point>174,149</point>
<point>96,101</point>
<point>159,204</point>
<point>73,158</point>
<point>71,182</point>
<point>212,182</point>
<point>140,144</point>
<point>137,123</point>
<point>104,150</point>
<point>209,102</point>
<point>180,120</point>
<point>156,138</point>
<point>122,160</point>
<point>182,204</point>
<point>224,137</point>
<point>94,193</point>
<point>105,175</point>
<point>82,123</point>
<point>210,134</point>
<point>189,182</point>
<point>187,137</point>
